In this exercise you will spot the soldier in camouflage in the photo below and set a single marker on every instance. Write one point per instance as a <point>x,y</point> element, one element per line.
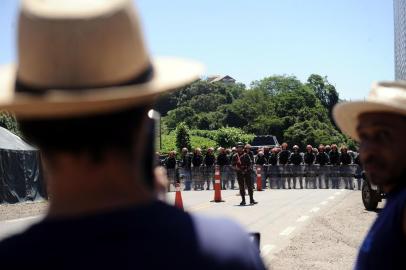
<point>242,164</point>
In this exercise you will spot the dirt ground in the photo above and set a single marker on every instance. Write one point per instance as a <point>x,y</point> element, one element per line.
<point>329,241</point>
<point>21,210</point>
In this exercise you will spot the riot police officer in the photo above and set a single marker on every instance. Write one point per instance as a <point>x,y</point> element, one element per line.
<point>296,159</point>
<point>261,162</point>
<point>209,161</point>
<point>185,165</point>
<point>283,158</point>
<point>345,159</point>
<point>334,157</point>
<point>197,161</point>
<point>322,159</point>
<point>309,158</point>
<point>223,162</point>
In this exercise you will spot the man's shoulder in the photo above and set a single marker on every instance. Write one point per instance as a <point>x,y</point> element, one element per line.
<point>160,224</point>
<point>235,249</point>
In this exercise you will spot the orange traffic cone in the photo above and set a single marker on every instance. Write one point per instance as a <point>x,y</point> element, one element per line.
<point>217,185</point>
<point>259,179</point>
<point>178,197</point>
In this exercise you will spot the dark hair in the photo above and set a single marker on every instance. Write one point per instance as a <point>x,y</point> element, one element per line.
<point>93,134</point>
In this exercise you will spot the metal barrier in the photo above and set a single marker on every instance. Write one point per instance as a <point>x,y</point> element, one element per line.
<point>274,177</point>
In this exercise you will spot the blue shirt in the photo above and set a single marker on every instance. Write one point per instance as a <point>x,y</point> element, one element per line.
<point>154,236</point>
<point>385,244</point>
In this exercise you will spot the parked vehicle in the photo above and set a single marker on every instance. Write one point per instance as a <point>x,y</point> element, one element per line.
<point>261,141</point>
<point>371,194</point>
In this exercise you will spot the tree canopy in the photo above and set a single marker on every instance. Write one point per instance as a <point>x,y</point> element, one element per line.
<point>293,111</point>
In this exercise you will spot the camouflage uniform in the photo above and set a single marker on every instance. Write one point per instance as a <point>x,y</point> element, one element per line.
<point>242,164</point>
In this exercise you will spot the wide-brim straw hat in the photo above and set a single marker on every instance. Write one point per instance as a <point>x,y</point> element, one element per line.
<point>385,97</point>
<point>79,57</point>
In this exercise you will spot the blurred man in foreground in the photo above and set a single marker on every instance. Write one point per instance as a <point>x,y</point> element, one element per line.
<point>82,89</point>
<point>379,124</point>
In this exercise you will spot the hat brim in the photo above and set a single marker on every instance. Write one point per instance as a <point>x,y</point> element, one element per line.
<point>169,74</point>
<point>346,114</point>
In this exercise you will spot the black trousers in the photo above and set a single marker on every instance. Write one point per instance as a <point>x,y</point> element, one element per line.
<point>245,181</point>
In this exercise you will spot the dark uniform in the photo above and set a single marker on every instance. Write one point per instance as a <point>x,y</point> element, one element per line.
<point>170,164</point>
<point>309,161</point>
<point>209,161</point>
<point>283,157</point>
<point>185,166</point>
<point>359,171</point>
<point>261,162</point>
<point>334,156</point>
<point>242,164</point>
<point>273,171</point>
<point>346,159</point>
<point>223,161</point>
<point>197,161</point>
<point>297,160</point>
<point>267,154</point>
<point>273,159</point>
<point>309,158</point>
<point>232,172</point>
<point>322,159</point>
<point>253,174</point>
<point>267,171</point>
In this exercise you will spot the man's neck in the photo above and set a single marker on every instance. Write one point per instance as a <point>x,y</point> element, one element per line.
<point>78,188</point>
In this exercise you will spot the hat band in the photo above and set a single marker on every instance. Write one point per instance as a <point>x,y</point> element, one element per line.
<point>144,77</point>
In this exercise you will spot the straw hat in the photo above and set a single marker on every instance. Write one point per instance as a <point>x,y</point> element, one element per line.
<point>80,57</point>
<point>384,97</point>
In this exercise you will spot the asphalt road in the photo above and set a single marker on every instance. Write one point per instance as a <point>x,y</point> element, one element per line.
<point>282,215</point>
<point>288,221</point>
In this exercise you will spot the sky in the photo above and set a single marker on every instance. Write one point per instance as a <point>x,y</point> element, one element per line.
<point>350,42</point>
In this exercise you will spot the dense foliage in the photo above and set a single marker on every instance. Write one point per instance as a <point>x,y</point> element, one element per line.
<point>182,136</point>
<point>9,122</point>
<point>293,111</point>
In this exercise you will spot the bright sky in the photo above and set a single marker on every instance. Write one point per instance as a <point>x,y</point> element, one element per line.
<point>349,41</point>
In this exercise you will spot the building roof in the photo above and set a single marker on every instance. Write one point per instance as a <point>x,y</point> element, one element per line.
<point>219,78</point>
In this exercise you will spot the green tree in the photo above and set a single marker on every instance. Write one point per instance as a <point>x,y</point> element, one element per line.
<point>8,121</point>
<point>325,91</point>
<point>276,84</point>
<point>182,136</point>
<point>228,137</point>
<point>178,115</point>
<point>312,132</point>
